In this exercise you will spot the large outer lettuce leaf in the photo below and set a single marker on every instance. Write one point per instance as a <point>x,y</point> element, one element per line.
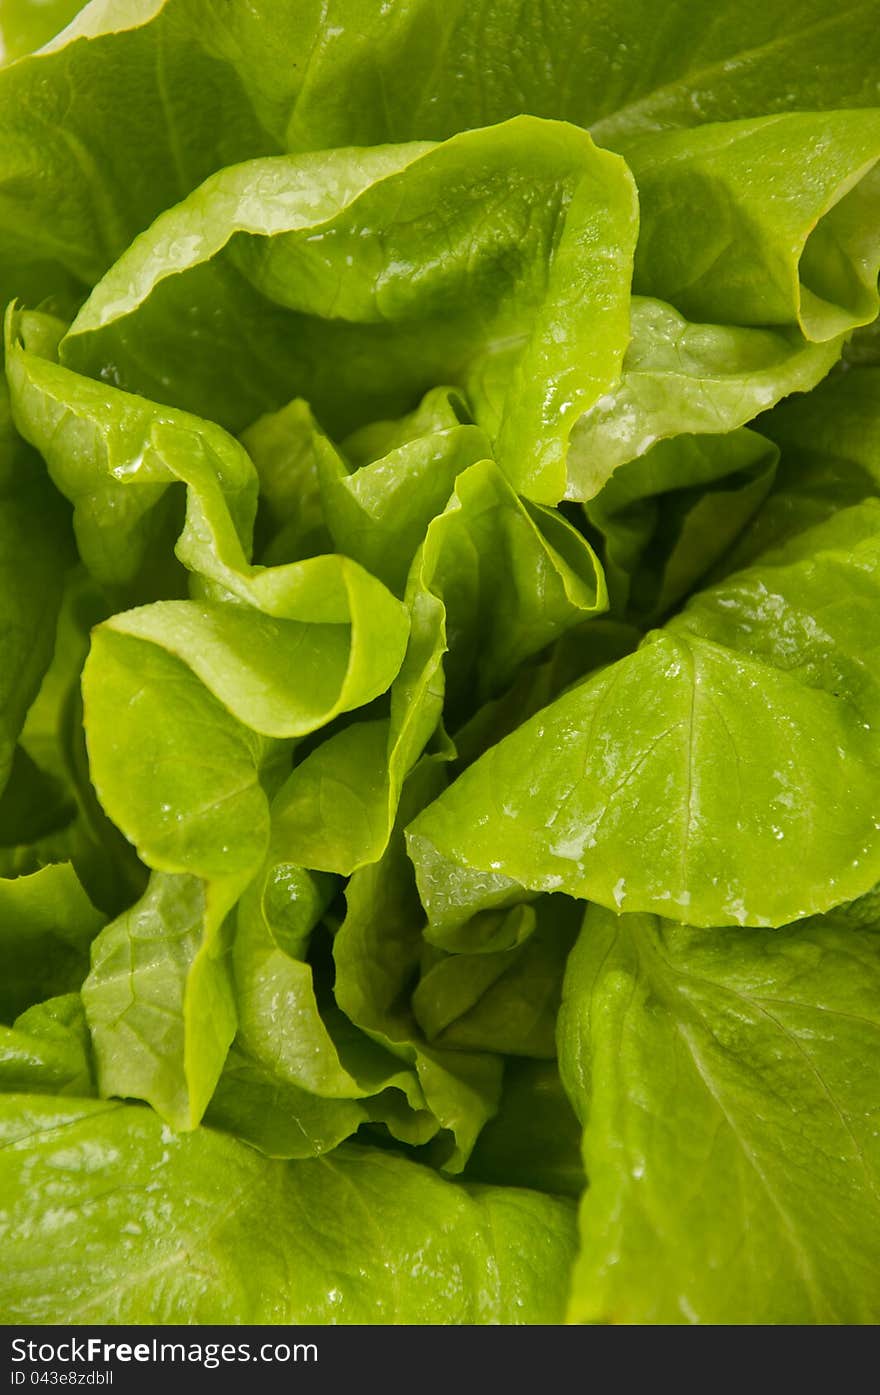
<point>726,1084</point>
<point>281,204</point>
<point>521,294</point>
<point>713,243</point>
<point>117,127</point>
<point>150,111</point>
<point>422,72</point>
<point>413,72</point>
<point>662,784</point>
<point>362,1236</point>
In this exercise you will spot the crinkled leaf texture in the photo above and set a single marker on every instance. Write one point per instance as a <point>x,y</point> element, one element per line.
<point>172,1228</point>
<point>714,244</point>
<point>526,305</point>
<point>439,488</point>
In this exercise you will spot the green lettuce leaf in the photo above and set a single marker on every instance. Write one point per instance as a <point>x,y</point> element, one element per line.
<point>687,379</point>
<point>276,1116</point>
<point>159,997</point>
<point>713,243</point>
<point>661,784</point>
<point>115,457</point>
<point>668,516</point>
<point>496,581</point>
<point>534,1140</point>
<point>362,1236</point>
<point>830,443</point>
<point>439,558</point>
<point>526,307</point>
<point>284,447</point>
<point>46,926</point>
<point>725,1083</point>
<point>28,24</point>
<point>158,95</point>
<point>376,953</point>
<point>379,511</point>
<point>34,554</point>
<point>48,1050</point>
<point>118,126</point>
<point>504,1000</point>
